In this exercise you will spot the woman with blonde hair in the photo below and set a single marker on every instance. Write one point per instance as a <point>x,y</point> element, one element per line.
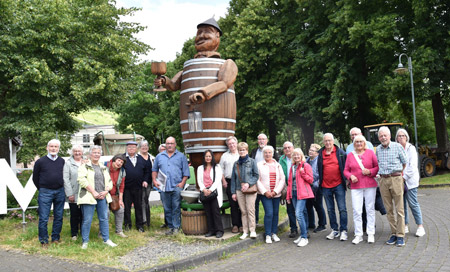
<point>243,189</point>
<point>299,191</point>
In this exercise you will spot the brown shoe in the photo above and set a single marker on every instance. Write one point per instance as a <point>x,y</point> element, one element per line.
<point>235,229</point>
<point>44,245</point>
<point>56,242</point>
<point>241,229</point>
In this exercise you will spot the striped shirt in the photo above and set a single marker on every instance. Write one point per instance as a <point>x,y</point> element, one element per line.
<point>272,175</point>
<point>391,158</point>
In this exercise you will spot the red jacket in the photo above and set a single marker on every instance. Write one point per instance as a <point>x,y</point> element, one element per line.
<point>303,179</point>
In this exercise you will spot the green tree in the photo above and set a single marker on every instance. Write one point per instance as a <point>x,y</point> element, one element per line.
<point>59,58</point>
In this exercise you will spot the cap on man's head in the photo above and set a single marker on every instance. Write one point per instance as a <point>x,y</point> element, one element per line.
<point>132,143</point>
<point>211,22</point>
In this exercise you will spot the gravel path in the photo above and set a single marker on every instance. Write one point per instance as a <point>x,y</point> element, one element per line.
<point>159,251</point>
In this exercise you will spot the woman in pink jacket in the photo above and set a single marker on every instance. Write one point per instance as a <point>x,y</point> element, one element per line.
<point>299,190</point>
<point>361,168</point>
<point>270,184</point>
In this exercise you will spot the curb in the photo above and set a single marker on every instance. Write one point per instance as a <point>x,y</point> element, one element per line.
<point>214,255</point>
<point>427,186</point>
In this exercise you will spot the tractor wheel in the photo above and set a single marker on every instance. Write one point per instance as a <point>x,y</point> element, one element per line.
<point>427,167</point>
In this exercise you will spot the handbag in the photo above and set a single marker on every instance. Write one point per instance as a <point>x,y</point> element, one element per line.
<point>114,205</point>
<point>252,189</point>
<point>212,196</point>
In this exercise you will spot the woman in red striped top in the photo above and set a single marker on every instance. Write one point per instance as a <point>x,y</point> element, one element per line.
<point>270,184</point>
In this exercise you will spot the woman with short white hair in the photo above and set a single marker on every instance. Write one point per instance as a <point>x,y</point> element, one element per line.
<point>95,184</point>
<point>70,176</point>
<point>361,167</point>
<point>411,177</point>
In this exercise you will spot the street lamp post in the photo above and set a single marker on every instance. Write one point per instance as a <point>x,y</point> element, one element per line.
<point>402,70</point>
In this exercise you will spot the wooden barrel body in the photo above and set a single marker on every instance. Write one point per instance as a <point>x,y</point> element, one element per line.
<point>194,222</point>
<point>218,115</point>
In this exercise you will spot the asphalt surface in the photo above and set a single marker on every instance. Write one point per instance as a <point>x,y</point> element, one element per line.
<point>428,253</point>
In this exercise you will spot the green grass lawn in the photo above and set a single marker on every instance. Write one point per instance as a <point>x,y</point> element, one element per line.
<point>440,179</point>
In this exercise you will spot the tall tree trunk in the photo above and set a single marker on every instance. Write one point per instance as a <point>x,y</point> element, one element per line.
<point>307,133</point>
<point>440,124</point>
<point>272,133</point>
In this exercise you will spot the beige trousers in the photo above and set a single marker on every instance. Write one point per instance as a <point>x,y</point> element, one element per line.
<point>247,205</point>
<point>391,190</point>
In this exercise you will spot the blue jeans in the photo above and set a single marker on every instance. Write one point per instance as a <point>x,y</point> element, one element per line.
<point>46,198</point>
<point>292,219</point>
<point>301,214</point>
<point>271,208</point>
<point>88,214</point>
<point>411,197</point>
<point>172,207</point>
<point>337,193</point>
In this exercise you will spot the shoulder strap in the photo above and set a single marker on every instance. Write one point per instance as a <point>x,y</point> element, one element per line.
<point>239,171</point>
<point>358,160</point>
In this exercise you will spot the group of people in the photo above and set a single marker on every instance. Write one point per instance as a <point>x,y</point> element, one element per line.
<point>385,180</point>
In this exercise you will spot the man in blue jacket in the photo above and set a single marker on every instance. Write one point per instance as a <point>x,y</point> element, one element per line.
<point>331,164</point>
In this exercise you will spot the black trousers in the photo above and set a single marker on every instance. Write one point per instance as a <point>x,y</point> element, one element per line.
<point>145,205</point>
<point>132,196</point>
<point>213,218</point>
<point>236,217</point>
<point>76,217</point>
<point>379,206</point>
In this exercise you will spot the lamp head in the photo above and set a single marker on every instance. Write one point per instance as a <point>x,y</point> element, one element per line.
<point>401,70</point>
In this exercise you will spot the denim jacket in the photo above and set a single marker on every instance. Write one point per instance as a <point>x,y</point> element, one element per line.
<point>249,174</point>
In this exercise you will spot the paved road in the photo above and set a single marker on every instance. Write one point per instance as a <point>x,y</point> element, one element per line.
<point>428,253</point>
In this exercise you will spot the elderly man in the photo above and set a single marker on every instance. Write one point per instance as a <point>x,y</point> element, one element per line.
<point>138,176</point>
<point>173,164</point>
<point>353,133</point>
<point>286,163</point>
<point>391,161</point>
<point>331,164</point>
<point>226,162</point>
<point>317,201</point>
<point>48,178</point>
<point>257,155</point>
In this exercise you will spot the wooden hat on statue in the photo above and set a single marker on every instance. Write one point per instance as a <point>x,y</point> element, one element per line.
<point>211,22</point>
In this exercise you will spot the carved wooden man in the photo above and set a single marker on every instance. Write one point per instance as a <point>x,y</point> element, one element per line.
<point>207,100</point>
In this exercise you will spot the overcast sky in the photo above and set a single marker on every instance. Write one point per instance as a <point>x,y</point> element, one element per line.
<point>171,22</point>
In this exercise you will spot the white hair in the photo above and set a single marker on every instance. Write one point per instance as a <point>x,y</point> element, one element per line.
<point>95,147</point>
<point>143,142</point>
<point>262,135</point>
<point>160,146</point>
<point>386,129</point>
<point>361,138</point>
<point>405,132</point>
<point>77,147</point>
<point>328,134</point>
<point>288,144</point>
<point>54,141</point>
<point>355,128</point>
<point>268,147</point>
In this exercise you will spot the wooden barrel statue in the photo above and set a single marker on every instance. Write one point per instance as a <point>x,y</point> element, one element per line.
<point>207,125</point>
<point>194,222</point>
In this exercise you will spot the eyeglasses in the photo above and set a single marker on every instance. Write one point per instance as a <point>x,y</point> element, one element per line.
<point>170,143</point>
<point>313,150</point>
<point>401,136</point>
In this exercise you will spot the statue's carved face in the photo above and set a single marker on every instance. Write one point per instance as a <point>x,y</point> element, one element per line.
<point>207,39</point>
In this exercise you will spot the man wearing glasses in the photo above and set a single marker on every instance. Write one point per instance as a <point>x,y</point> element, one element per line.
<point>173,164</point>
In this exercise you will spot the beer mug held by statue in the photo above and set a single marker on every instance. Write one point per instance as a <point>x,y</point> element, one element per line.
<point>159,69</point>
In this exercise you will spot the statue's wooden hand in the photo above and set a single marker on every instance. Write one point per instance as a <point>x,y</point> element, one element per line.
<point>197,98</point>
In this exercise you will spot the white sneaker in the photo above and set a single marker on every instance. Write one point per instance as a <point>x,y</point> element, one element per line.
<point>253,234</point>
<point>344,235</point>
<point>333,234</point>
<point>243,236</point>
<point>420,232</point>
<point>268,239</point>
<point>275,238</point>
<point>406,229</point>
<point>110,243</point>
<point>296,241</point>
<point>74,238</point>
<point>121,234</point>
<point>356,240</point>
<point>303,242</point>
<point>84,246</point>
<point>371,239</point>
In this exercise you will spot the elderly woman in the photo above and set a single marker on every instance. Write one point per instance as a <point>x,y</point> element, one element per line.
<point>299,191</point>
<point>244,188</point>
<point>70,175</point>
<point>143,151</point>
<point>411,177</point>
<point>95,184</point>
<point>209,178</point>
<point>270,184</point>
<point>361,168</point>
<point>226,162</point>
<point>118,174</point>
